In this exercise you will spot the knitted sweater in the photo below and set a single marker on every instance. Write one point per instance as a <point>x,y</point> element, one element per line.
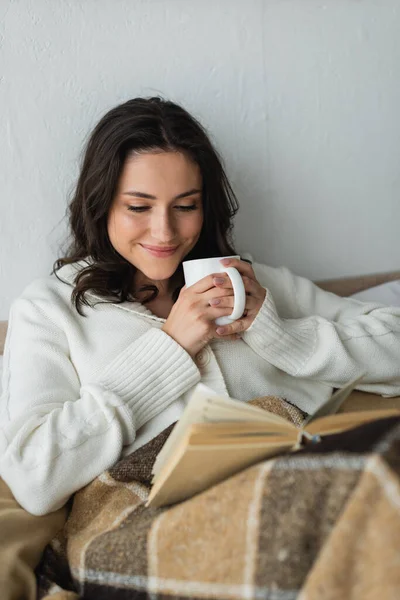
<point>80,392</point>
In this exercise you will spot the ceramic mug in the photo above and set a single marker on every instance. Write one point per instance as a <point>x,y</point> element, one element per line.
<point>194,270</point>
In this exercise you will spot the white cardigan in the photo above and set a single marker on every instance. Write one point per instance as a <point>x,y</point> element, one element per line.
<point>79,392</point>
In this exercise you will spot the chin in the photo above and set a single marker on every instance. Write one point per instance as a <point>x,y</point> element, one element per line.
<point>158,274</point>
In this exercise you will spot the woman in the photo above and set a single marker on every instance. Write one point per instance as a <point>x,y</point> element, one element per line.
<point>102,355</point>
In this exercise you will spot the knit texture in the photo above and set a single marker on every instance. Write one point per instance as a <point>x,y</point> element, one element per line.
<point>80,392</point>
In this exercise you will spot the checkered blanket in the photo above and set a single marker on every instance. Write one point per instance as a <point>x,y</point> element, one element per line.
<point>321,523</point>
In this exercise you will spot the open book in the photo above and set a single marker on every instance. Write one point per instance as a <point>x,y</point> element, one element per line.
<point>217,436</point>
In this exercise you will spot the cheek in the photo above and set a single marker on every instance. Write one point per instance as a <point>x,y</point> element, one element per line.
<point>122,227</point>
<point>193,228</point>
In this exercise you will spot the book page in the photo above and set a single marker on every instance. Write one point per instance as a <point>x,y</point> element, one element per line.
<point>332,405</point>
<point>206,406</point>
<point>238,433</point>
<point>337,423</point>
<point>226,409</point>
<point>196,468</point>
<point>193,413</point>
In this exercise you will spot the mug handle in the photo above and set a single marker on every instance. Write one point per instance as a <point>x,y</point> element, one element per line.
<point>239,296</point>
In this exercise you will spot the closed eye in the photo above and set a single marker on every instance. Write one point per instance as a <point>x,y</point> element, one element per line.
<point>187,208</point>
<point>138,208</point>
<point>183,208</point>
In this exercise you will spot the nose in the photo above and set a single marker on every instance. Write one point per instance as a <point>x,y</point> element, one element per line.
<point>162,227</point>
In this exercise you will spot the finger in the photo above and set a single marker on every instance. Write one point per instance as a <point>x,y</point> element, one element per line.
<point>207,283</point>
<point>213,312</point>
<point>222,280</point>
<point>236,327</point>
<point>243,267</point>
<point>219,291</point>
<point>229,301</point>
<point>251,285</point>
<point>232,337</point>
<point>223,302</point>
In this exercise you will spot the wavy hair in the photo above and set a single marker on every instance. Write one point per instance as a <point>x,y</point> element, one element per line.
<point>140,125</point>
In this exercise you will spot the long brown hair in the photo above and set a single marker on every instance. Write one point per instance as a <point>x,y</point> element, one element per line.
<point>140,125</point>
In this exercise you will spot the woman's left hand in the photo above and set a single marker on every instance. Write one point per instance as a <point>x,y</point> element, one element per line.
<point>255,296</point>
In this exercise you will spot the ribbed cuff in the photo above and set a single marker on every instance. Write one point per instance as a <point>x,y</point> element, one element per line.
<point>287,344</point>
<point>151,373</point>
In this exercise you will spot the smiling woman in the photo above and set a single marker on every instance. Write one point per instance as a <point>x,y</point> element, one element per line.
<point>150,181</point>
<point>103,355</point>
<point>164,221</point>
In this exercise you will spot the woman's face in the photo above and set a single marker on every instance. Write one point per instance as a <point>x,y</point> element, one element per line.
<point>157,215</point>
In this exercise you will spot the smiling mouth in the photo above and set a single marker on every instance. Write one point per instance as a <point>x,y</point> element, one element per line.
<point>160,251</point>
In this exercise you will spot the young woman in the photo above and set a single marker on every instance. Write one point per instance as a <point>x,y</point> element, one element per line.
<point>102,355</point>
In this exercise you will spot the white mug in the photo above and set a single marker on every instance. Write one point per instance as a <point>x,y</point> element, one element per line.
<point>194,270</point>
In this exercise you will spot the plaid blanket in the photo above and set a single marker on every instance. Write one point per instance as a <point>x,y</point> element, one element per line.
<point>320,523</point>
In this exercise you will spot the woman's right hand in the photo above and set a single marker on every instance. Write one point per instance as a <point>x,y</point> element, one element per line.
<point>191,321</point>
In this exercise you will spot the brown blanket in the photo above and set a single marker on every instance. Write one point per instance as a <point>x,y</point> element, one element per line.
<point>321,523</point>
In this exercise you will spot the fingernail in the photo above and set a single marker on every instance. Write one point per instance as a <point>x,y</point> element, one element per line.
<point>220,330</point>
<point>215,301</point>
<point>218,280</point>
<point>225,261</point>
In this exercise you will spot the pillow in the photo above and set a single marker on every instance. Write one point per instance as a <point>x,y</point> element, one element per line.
<point>386,293</point>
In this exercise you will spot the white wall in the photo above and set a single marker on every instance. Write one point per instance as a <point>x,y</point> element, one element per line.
<point>301,96</point>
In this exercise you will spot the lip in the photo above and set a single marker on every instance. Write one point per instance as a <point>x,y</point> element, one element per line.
<point>160,251</point>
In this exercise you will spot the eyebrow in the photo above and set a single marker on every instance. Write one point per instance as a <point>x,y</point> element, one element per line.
<point>150,197</point>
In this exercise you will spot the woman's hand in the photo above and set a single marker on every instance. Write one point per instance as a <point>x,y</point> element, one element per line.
<point>191,321</point>
<point>255,296</point>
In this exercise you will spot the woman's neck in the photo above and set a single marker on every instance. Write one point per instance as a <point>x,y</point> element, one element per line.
<point>161,307</point>
<point>164,294</point>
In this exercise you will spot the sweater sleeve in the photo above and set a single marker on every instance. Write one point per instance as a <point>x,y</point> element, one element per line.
<point>325,337</point>
<point>56,435</point>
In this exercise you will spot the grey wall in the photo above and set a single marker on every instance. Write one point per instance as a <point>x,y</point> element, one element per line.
<point>301,98</point>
